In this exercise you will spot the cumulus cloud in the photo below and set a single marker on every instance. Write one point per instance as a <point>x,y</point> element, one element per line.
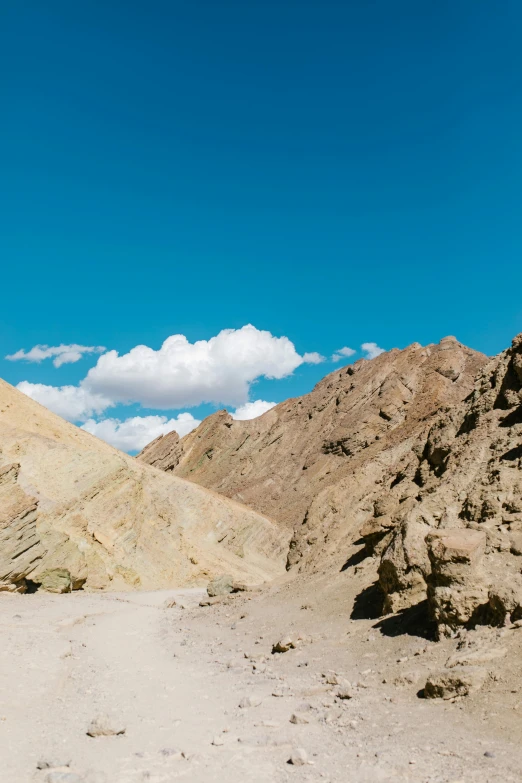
<point>342,353</point>
<point>251,410</point>
<point>182,374</point>
<point>135,433</point>
<point>313,358</point>
<point>74,403</point>
<point>371,350</point>
<point>63,354</point>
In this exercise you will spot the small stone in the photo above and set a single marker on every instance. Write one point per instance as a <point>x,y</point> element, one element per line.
<point>299,758</point>
<point>171,753</point>
<point>52,763</point>
<point>489,754</point>
<point>283,645</point>
<point>170,603</point>
<point>249,701</point>
<point>299,717</point>
<point>345,692</point>
<point>103,726</point>
<point>332,678</point>
<point>280,692</point>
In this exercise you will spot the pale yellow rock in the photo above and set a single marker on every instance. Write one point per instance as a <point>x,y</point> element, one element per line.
<point>71,502</point>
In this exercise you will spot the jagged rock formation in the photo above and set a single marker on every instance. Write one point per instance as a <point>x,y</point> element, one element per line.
<point>164,452</point>
<point>74,511</point>
<point>417,454</point>
<point>458,543</point>
<point>341,456</point>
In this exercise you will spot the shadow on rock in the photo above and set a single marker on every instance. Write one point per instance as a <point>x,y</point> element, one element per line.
<point>368,604</point>
<point>413,621</point>
<point>355,559</point>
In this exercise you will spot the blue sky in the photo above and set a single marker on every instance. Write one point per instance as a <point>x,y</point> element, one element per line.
<point>332,172</point>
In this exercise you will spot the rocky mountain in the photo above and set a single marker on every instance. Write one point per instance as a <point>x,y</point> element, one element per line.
<point>76,512</point>
<point>317,464</point>
<point>408,467</point>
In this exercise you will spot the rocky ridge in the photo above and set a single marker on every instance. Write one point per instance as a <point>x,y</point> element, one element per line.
<point>76,512</point>
<point>416,455</point>
<point>325,463</point>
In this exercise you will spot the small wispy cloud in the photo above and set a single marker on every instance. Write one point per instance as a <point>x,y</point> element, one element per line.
<point>342,353</point>
<point>63,354</point>
<point>372,350</point>
<point>313,358</point>
<point>251,410</point>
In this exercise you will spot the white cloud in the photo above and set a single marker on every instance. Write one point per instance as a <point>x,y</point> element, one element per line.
<point>135,433</point>
<point>71,402</point>
<point>313,358</point>
<point>63,354</point>
<point>342,353</point>
<point>371,350</point>
<point>182,374</point>
<point>251,410</point>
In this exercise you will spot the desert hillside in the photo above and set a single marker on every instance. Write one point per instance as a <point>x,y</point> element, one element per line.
<point>76,512</point>
<point>317,463</point>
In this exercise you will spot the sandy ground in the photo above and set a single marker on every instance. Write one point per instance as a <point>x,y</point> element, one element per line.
<point>174,678</point>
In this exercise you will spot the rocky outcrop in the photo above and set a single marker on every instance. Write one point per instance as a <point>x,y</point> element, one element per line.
<point>164,452</point>
<point>466,559</point>
<point>75,512</point>
<point>20,547</point>
<point>341,458</point>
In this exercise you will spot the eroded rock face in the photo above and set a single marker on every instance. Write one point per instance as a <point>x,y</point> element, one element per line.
<point>470,495</point>
<point>20,546</point>
<point>75,512</point>
<point>164,452</point>
<point>341,458</point>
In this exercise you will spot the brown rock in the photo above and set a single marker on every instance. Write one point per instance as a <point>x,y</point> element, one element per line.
<point>316,458</point>
<point>164,452</point>
<point>454,554</point>
<point>103,726</point>
<point>449,683</point>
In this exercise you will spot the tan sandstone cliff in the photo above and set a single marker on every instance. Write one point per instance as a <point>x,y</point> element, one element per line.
<point>76,512</point>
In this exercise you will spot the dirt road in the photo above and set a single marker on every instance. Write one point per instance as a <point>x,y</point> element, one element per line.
<point>174,680</point>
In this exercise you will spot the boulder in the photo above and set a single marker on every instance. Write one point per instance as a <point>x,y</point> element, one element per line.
<point>56,580</point>
<point>404,566</point>
<point>457,592</point>
<point>221,585</point>
<point>505,603</point>
<point>455,553</point>
<point>225,585</point>
<point>460,681</point>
